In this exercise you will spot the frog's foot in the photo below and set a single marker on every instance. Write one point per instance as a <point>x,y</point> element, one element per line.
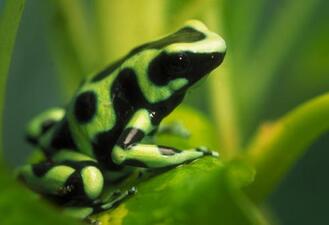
<point>85,211</point>
<point>70,180</point>
<point>115,194</point>
<point>91,221</point>
<point>116,199</point>
<point>207,151</point>
<point>64,190</point>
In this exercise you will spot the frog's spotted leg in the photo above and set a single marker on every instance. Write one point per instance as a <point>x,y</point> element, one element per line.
<point>83,212</point>
<point>127,151</point>
<point>69,176</point>
<point>43,123</point>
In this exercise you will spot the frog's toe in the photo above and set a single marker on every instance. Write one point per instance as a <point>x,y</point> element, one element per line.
<point>206,151</point>
<point>64,190</point>
<point>215,154</point>
<point>132,190</point>
<point>91,221</point>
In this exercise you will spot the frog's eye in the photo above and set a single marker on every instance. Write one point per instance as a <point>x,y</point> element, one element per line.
<point>177,64</point>
<point>166,67</point>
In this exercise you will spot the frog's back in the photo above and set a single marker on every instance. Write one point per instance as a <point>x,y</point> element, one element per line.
<point>97,115</point>
<point>50,132</point>
<point>92,121</point>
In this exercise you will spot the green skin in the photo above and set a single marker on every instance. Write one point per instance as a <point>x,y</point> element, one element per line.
<point>101,130</point>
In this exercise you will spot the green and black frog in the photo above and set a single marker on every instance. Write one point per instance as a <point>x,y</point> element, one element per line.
<point>100,132</point>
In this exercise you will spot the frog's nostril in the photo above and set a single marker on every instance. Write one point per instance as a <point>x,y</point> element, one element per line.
<point>217,58</point>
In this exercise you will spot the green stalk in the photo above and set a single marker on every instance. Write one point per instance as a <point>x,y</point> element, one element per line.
<point>72,43</point>
<point>275,45</point>
<point>26,208</point>
<point>191,11</point>
<point>222,104</point>
<point>78,29</point>
<point>10,17</point>
<point>122,25</point>
<point>220,86</point>
<point>238,12</point>
<point>279,145</point>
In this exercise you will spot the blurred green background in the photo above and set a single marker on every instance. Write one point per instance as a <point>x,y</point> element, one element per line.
<point>295,52</point>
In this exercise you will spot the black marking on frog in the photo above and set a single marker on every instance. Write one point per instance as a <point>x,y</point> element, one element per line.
<point>184,35</point>
<point>76,186</point>
<point>85,106</point>
<point>73,189</point>
<point>61,139</point>
<point>103,144</point>
<point>46,125</point>
<point>127,98</point>
<point>31,139</point>
<point>40,169</point>
<point>168,150</point>
<point>130,136</point>
<point>204,151</point>
<point>192,66</point>
<point>135,162</point>
<point>79,165</point>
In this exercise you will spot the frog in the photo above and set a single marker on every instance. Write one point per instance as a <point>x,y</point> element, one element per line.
<point>97,138</point>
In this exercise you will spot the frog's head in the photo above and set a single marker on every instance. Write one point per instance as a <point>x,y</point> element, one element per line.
<point>172,64</point>
<point>189,54</point>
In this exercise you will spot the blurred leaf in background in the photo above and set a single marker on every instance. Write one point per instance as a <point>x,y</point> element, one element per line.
<point>17,205</point>
<point>277,59</point>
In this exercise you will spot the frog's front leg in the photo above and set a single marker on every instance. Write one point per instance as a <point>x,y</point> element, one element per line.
<point>128,151</point>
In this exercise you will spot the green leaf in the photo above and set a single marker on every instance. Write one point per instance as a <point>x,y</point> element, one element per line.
<point>199,130</point>
<point>72,43</point>
<point>220,85</point>
<point>122,25</point>
<point>198,193</point>
<point>17,204</point>
<point>279,145</point>
<point>235,13</point>
<point>180,11</point>
<point>10,16</point>
<point>276,50</point>
<point>20,206</point>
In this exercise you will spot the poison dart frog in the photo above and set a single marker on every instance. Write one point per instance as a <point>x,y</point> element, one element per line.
<point>100,131</point>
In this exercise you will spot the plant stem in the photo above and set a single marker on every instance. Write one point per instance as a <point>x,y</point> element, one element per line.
<point>237,14</point>
<point>222,96</point>
<point>78,29</point>
<point>191,10</point>
<point>72,43</point>
<point>144,20</point>
<point>263,62</point>
<point>9,22</point>
<point>278,146</point>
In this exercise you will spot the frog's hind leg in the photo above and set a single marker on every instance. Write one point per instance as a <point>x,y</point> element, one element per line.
<point>73,179</point>
<point>70,177</point>
<point>42,123</point>
<point>83,212</point>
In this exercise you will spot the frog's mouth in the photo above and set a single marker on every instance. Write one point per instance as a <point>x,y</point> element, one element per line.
<point>203,63</point>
